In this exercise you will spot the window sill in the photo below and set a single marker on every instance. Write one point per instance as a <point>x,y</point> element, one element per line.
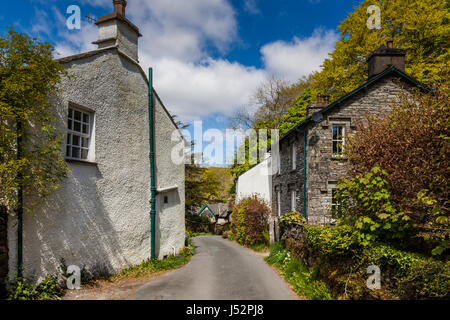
<point>338,159</point>
<point>82,162</point>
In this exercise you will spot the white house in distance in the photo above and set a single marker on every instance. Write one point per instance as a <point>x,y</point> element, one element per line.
<point>100,217</point>
<point>256,181</point>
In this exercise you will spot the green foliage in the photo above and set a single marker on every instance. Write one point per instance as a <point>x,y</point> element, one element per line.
<point>250,221</point>
<point>290,218</point>
<point>285,122</point>
<point>418,26</point>
<point>305,282</point>
<point>386,255</point>
<point>412,145</point>
<point>197,218</point>
<point>28,76</point>
<point>426,279</point>
<point>332,241</point>
<point>365,205</point>
<point>22,288</point>
<point>201,185</point>
<point>207,185</point>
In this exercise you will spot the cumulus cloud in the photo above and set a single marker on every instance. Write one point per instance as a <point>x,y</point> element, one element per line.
<point>195,90</point>
<point>299,57</point>
<point>178,38</point>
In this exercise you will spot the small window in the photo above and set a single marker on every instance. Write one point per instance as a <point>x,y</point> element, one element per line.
<point>293,200</point>
<point>294,156</point>
<point>338,140</point>
<point>334,202</point>
<point>166,199</point>
<point>78,134</point>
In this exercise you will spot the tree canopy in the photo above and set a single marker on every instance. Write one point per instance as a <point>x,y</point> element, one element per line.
<point>28,75</point>
<point>420,27</point>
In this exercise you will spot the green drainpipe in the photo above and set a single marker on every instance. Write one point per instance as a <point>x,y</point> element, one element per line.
<point>151,114</point>
<point>305,197</point>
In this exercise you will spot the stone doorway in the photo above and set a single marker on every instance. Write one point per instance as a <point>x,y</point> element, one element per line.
<point>3,250</point>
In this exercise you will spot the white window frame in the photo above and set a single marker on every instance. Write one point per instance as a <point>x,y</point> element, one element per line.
<point>338,140</point>
<point>294,156</point>
<point>84,135</point>
<point>334,203</point>
<point>293,200</point>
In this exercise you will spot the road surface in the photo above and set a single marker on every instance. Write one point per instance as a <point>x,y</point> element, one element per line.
<point>220,270</point>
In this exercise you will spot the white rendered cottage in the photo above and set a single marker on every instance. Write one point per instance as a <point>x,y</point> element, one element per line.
<point>100,216</point>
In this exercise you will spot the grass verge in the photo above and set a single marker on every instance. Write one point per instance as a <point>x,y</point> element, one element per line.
<point>153,266</point>
<point>303,281</point>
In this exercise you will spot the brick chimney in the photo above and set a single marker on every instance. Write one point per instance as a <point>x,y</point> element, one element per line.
<point>322,102</point>
<point>385,57</point>
<point>115,30</point>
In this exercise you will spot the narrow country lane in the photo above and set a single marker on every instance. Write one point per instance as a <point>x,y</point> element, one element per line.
<point>220,270</point>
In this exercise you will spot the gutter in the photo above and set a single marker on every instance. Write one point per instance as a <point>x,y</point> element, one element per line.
<point>154,192</point>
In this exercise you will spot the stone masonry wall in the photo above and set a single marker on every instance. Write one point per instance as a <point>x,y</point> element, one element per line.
<point>324,171</point>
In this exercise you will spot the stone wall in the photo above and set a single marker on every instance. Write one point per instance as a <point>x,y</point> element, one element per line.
<point>3,251</point>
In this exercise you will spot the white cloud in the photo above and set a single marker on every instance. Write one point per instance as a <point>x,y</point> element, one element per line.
<point>193,90</point>
<point>177,38</point>
<point>251,7</point>
<point>299,57</point>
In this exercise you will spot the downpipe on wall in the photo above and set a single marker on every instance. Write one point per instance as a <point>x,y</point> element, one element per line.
<point>151,115</point>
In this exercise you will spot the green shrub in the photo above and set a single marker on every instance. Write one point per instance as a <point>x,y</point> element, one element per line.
<point>291,217</point>
<point>332,241</point>
<point>426,279</point>
<point>198,219</point>
<point>365,204</point>
<point>22,288</point>
<point>305,282</point>
<point>250,221</point>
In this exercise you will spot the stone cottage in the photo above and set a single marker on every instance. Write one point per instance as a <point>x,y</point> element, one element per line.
<point>310,157</point>
<point>100,215</point>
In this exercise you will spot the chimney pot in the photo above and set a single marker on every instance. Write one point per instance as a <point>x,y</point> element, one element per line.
<point>119,6</point>
<point>326,100</point>
<point>319,98</point>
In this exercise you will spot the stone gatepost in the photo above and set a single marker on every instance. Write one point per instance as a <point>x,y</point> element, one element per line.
<point>274,229</point>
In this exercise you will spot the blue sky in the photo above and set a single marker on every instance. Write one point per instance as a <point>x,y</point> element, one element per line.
<point>208,56</point>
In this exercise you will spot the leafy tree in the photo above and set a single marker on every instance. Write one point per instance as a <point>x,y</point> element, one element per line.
<point>421,27</point>
<point>295,114</point>
<point>412,144</point>
<point>202,184</point>
<point>30,145</point>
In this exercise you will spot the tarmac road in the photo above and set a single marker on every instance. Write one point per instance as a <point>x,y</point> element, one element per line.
<point>220,270</point>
